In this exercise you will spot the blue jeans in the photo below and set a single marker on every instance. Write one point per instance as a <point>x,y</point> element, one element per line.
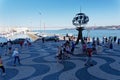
<point>16,58</point>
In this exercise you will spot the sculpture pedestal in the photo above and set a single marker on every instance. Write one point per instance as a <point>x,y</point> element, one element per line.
<point>80,37</point>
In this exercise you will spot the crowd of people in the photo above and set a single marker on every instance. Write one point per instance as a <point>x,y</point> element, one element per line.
<point>65,50</point>
<point>96,46</point>
<point>89,47</point>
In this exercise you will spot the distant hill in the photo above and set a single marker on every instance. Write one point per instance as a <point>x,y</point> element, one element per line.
<point>113,27</point>
<point>105,27</point>
<point>67,29</point>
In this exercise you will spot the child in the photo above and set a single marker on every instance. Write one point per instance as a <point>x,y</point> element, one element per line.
<point>1,66</point>
<point>9,45</point>
<point>16,56</point>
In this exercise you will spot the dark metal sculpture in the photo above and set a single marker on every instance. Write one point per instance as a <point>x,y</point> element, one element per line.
<point>79,20</point>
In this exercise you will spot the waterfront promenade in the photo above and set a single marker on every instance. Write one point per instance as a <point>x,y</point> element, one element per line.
<point>38,62</point>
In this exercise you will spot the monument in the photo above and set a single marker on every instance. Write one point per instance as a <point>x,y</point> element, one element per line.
<point>79,21</point>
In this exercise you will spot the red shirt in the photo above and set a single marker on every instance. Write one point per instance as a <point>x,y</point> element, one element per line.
<point>89,52</point>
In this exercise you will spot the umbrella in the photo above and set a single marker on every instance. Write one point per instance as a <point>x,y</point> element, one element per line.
<point>3,40</point>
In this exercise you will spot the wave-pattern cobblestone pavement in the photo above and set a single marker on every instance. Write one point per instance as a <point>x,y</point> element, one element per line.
<point>39,63</point>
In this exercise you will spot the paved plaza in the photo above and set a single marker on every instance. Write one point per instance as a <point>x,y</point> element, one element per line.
<point>38,62</point>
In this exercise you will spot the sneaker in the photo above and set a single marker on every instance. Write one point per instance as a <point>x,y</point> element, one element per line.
<point>3,74</point>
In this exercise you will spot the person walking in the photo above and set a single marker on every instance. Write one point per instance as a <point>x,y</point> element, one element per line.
<point>89,53</point>
<point>2,67</point>
<point>118,41</point>
<point>59,54</point>
<point>9,45</point>
<point>21,43</point>
<point>25,43</point>
<point>16,56</point>
<point>111,45</point>
<point>84,48</point>
<point>72,47</point>
<point>43,39</point>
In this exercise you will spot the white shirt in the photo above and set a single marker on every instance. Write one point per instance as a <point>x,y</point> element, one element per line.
<point>15,53</point>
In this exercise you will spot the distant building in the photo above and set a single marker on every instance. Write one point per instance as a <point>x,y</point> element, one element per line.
<point>21,29</point>
<point>9,31</point>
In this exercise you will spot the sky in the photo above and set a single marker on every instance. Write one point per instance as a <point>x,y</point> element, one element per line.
<point>55,14</point>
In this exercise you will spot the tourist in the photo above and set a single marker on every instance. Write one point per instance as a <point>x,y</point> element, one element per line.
<point>111,45</point>
<point>43,39</point>
<point>98,41</point>
<point>64,38</point>
<point>25,42</point>
<point>72,47</point>
<point>59,53</point>
<point>84,48</point>
<point>93,39</point>
<point>67,35</point>
<point>2,67</point>
<point>103,40</point>
<point>9,46</point>
<point>89,52</point>
<point>21,43</point>
<point>29,43</point>
<point>106,39</point>
<point>88,39</point>
<point>66,49</point>
<point>118,41</point>
<point>110,38</point>
<point>115,38</point>
<point>16,56</point>
<point>94,48</point>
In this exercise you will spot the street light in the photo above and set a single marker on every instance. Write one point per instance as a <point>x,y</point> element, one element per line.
<point>44,28</point>
<point>40,20</point>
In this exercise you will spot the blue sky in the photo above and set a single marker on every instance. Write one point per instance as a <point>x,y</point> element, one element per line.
<point>58,13</point>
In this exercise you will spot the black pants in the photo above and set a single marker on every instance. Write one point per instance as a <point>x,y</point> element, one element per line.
<point>72,50</point>
<point>3,69</point>
<point>17,58</point>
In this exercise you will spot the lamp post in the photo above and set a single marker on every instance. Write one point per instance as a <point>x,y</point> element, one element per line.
<point>44,28</point>
<point>79,20</point>
<point>40,19</point>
